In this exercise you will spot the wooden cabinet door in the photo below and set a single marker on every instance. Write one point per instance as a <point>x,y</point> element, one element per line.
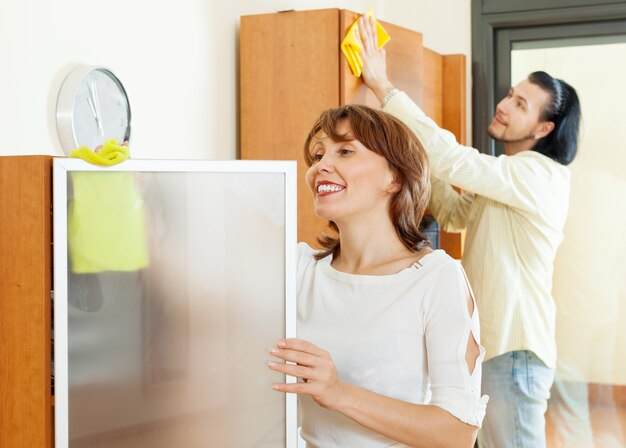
<point>25,308</point>
<point>289,76</point>
<point>453,118</point>
<point>292,69</point>
<point>404,64</point>
<point>444,102</point>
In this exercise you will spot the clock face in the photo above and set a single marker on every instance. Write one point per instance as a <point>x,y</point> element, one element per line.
<point>92,108</point>
<point>100,110</point>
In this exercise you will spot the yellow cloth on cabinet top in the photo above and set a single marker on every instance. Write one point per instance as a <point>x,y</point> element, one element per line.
<point>110,154</point>
<point>106,226</point>
<point>351,45</point>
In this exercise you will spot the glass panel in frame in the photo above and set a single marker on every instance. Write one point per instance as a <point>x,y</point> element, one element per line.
<point>172,279</point>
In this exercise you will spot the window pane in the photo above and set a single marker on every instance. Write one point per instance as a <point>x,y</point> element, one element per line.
<point>588,403</point>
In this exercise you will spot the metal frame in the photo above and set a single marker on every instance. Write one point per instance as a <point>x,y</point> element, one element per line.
<point>61,168</point>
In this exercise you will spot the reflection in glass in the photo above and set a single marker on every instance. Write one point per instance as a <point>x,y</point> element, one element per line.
<point>588,400</point>
<point>174,352</point>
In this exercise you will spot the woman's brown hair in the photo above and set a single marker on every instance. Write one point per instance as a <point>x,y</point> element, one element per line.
<point>390,138</point>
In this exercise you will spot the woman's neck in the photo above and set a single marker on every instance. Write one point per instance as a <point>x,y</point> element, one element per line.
<point>373,249</point>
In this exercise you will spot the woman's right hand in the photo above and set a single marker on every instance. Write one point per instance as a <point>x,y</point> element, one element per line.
<point>374,69</point>
<point>314,366</point>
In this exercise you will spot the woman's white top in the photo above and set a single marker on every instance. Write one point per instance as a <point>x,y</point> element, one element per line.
<point>403,336</point>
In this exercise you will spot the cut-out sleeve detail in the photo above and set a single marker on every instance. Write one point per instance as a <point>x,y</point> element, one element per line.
<point>448,325</point>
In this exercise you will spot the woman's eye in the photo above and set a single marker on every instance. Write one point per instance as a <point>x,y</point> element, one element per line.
<point>345,152</point>
<point>317,157</point>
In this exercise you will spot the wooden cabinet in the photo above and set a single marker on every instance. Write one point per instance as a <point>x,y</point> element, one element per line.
<point>140,331</point>
<point>26,401</point>
<point>292,69</point>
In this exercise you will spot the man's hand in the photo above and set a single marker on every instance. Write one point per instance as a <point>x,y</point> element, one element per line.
<point>374,69</point>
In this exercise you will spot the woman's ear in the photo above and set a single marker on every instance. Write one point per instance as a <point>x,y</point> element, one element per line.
<point>394,185</point>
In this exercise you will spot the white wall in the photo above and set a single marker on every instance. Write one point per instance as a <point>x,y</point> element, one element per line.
<point>445,24</point>
<point>446,29</point>
<point>178,62</point>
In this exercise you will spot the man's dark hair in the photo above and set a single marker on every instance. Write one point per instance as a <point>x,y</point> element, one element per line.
<point>563,110</point>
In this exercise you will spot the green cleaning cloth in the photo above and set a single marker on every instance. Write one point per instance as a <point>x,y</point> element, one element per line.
<point>106,222</point>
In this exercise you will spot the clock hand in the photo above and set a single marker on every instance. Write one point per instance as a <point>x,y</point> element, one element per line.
<point>95,106</point>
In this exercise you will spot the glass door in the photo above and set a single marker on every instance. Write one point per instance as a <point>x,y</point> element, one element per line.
<point>588,403</point>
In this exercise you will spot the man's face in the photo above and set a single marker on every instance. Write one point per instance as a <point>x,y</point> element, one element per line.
<point>517,116</point>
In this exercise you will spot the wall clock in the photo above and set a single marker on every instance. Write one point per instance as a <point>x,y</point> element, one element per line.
<point>92,107</point>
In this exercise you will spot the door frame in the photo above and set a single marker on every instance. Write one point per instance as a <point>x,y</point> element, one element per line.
<point>497,24</point>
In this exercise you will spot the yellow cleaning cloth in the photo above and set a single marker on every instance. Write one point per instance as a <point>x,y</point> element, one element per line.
<point>110,154</point>
<point>351,46</point>
<point>106,226</point>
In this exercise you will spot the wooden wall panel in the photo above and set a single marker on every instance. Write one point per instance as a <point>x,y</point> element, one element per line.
<point>444,102</point>
<point>289,74</point>
<point>404,64</point>
<point>25,309</point>
<point>454,96</point>
<point>454,120</point>
<point>433,86</point>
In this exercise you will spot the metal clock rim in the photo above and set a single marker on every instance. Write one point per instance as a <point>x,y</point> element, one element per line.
<point>65,103</point>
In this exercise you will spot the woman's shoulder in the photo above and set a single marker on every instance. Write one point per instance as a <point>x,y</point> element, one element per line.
<point>441,268</point>
<point>438,259</point>
<point>305,248</point>
<point>306,255</point>
<point>305,251</point>
<point>452,286</point>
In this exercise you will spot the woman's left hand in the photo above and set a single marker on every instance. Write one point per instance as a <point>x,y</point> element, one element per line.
<point>314,366</point>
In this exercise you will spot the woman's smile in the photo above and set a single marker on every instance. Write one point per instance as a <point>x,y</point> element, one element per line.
<point>326,188</point>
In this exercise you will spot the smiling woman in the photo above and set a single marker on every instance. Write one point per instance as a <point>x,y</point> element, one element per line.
<point>348,180</point>
<point>401,360</point>
<point>378,161</point>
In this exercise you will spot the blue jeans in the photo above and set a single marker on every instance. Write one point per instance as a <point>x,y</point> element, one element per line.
<point>518,384</point>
